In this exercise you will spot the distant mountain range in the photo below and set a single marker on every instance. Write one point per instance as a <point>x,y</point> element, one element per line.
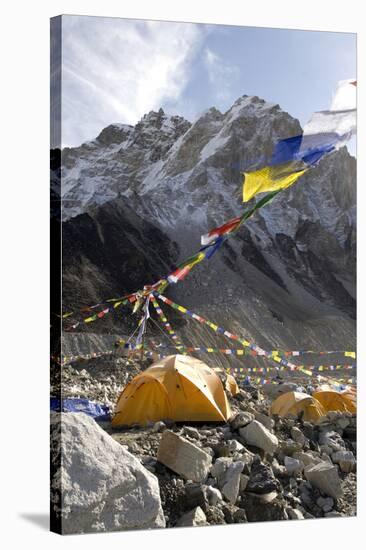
<point>137,199</point>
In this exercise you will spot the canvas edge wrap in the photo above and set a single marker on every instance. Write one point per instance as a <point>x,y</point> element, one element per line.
<point>55,241</point>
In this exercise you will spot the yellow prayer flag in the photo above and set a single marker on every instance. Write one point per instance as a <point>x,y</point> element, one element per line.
<point>270,178</point>
<point>350,354</point>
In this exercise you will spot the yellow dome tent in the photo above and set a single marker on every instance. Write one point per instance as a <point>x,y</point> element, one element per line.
<point>335,401</point>
<point>351,394</point>
<point>179,388</point>
<point>231,385</point>
<point>293,403</point>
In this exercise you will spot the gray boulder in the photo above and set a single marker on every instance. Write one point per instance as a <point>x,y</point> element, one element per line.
<point>230,489</point>
<point>325,477</point>
<point>98,485</point>
<point>183,457</point>
<point>257,435</point>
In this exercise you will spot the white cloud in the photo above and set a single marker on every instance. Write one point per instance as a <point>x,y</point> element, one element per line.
<point>220,74</point>
<point>116,70</point>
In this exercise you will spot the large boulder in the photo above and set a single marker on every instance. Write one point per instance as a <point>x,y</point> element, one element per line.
<point>183,457</point>
<point>325,477</point>
<point>257,435</point>
<point>97,484</point>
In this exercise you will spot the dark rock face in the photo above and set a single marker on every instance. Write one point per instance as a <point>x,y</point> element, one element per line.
<point>111,250</point>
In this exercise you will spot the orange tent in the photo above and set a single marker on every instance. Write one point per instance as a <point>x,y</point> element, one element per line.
<point>294,403</point>
<point>179,388</point>
<point>335,401</point>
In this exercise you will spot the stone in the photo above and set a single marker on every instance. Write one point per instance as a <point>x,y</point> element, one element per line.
<point>343,422</point>
<point>332,440</point>
<point>243,482</point>
<point>193,518</point>
<point>264,419</point>
<point>234,514</point>
<point>234,446</point>
<point>307,458</point>
<point>241,419</point>
<point>221,450</point>
<point>294,513</point>
<point>104,487</point>
<point>219,468</point>
<point>194,495</point>
<point>293,465</point>
<point>258,510</point>
<point>183,457</point>
<point>289,447</point>
<point>159,426</point>
<point>278,469</point>
<point>325,477</point>
<point>333,514</point>
<point>257,435</point>
<point>230,489</point>
<point>213,495</point>
<point>215,515</point>
<point>325,503</point>
<point>298,436</point>
<point>261,479</point>
<point>346,461</point>
<point>189,431</point>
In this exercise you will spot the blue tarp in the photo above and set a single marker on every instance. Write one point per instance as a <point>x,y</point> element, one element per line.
<point>95,410</point>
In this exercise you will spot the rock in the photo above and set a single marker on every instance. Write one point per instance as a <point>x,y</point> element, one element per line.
<point>233,514</point>
<point>213,495</point>
<point>343,422</point>
<point>294,513</point>
<point>261,479</point>
<point>104,487</point>
<point>191,432</point>
<point>194,495</point>
<point>219,468</point>
<point>183,457</point>
<point>326,504</point>
<point>310,431</point>
<point>230,489</point>
<point>293,466</point>
<point>234,446</point>
<point>257,435</point>
<point>268,422</point>
<point>325,477</point>
<point>307,458</point>
<point>243,483</point>
<point>298,436</point>
<point>159,426</point>
<point>332,440</point>
<point>333,514</point>
<point>215,515</point>
<point>277,468</point>
<point>289,447</point>
<point>241,419</point>
<point>258,510</point>
<point>345,460</point>
<point>193,518</point>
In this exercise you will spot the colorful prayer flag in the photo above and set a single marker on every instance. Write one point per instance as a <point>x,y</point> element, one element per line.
<point>271,178</point>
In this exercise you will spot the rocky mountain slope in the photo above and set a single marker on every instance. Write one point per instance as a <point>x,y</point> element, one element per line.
<point>137,199</point>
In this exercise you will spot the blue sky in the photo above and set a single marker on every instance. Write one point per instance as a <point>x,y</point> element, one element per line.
<point>116,70</point>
